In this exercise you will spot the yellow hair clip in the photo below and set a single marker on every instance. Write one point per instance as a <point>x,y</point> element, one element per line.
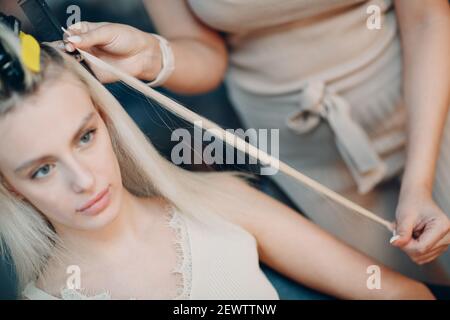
<point>31,52</point>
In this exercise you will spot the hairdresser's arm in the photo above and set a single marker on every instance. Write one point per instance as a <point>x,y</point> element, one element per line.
<point>425,34</point>
<point>297,248</point>
<point>200,53</point>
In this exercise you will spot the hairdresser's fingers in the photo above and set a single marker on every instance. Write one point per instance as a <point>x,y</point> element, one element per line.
<point>80,28</point>
<point>60,45</point>
<point>418,249</point>
<point>446,239</point>
<point>101,36</point>
<point>429,257</point>
<point>85,26</point>
<point>112,39</point>
<point>434,230</point>
<point>418,258</point>
<point>403,229</point>
<point>103,76</point>
<point>422,262</point>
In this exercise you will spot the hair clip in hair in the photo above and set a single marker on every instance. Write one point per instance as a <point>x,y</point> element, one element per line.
<point>10,70</point>
<point>31,52</point>
<point>11,22</point>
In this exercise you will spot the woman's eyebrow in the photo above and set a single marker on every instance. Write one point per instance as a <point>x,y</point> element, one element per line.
<point>84,122</point>
<point>41,159</point>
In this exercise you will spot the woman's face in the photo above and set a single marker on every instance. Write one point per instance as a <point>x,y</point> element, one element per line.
<point>56,153</point>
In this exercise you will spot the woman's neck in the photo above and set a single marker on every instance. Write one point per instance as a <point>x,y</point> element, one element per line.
<point>121,233</point>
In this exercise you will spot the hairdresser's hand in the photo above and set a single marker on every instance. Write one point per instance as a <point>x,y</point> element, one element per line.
<point>422,228</point>
<point>122,46</point>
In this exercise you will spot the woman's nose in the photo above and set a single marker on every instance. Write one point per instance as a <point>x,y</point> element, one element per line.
<point>82,178</point>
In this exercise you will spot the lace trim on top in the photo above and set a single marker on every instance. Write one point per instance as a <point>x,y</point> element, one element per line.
<point>182,269</point>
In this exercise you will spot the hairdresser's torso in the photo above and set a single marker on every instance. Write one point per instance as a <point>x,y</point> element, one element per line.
<point>275,45</point>
<point>276,48</point>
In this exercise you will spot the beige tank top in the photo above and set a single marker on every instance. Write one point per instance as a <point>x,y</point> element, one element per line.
<point>218,260</point>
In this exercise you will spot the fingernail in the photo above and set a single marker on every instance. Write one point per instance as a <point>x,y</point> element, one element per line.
<point>75,26</point>
<point>74,39</point>
<point>60,45</point>
<point>394,238</point>
<point>69,47</point>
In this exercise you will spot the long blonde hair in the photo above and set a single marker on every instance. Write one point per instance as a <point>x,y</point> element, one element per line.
<point>29,238</point>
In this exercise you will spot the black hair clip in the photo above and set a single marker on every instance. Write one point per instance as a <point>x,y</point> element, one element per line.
<point>11,22</point>
<point>11,70</point>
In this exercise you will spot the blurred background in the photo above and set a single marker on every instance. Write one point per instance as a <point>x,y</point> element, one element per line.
<point>154,121</point>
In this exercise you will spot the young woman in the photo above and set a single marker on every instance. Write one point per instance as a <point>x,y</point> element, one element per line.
<point>82,189</point>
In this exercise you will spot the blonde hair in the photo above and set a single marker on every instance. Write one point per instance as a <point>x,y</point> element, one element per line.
<point>30,239</point>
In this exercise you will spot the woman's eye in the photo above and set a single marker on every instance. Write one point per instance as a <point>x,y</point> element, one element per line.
<point>87,137</point>
<point>42,172</point>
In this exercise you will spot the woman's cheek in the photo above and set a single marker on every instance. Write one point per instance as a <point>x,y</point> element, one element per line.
<point>54,202</point>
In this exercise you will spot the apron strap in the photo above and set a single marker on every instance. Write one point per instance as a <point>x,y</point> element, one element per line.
<point>353,144</point>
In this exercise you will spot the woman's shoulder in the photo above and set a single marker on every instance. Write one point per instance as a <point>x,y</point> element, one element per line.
<point>246,205</point>
<point>32,292</point>
<point>47,285</point>
<point>49,282</point>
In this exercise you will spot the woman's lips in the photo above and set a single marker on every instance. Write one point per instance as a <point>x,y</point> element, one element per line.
<point>97,204</point>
